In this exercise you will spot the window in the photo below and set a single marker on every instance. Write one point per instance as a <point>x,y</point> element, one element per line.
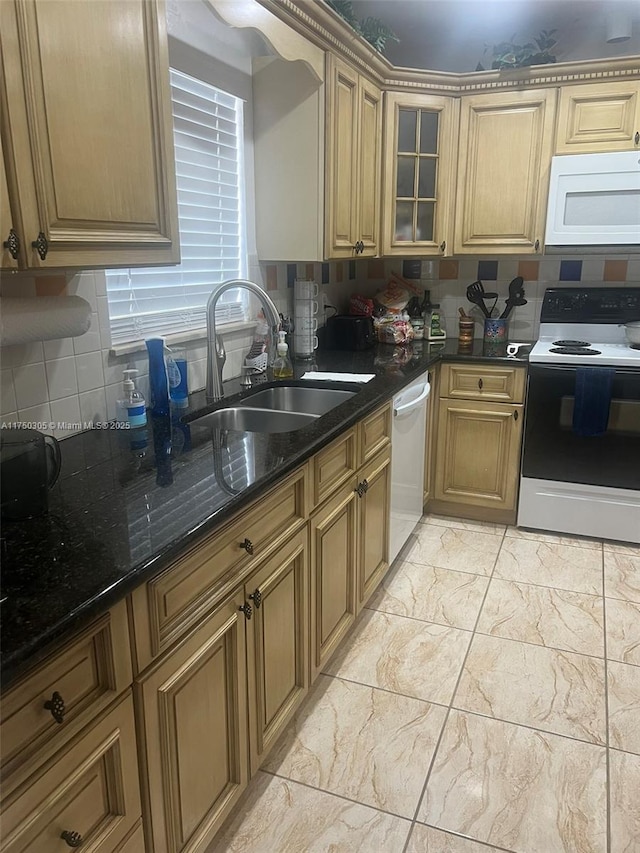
<point>208,134</point>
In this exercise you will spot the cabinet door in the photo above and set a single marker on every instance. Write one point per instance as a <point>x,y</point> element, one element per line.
<point>341,152</point>
<point>598,117</point>
<point>333,575</point>
<point>8,237</point>
<point>192,707</point>
<point>369,168</point>
<point>89,119</point>
<point>478,453</point>
<point>419,161</point>
<point>373,525</point>
<point>506,142</point>
<point>277,643</point>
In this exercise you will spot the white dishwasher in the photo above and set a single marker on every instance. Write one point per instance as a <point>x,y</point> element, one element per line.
<point>408,439</point>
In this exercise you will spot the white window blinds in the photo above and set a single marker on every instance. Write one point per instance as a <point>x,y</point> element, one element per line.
<point>144,302</point>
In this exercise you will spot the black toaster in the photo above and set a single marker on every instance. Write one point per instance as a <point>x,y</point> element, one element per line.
<point>349,332</point>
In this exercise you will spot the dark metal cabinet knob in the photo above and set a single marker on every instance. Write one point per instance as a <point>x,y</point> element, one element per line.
<point>361,488</point>
<point>247,609</point>
<point>536,245</point>
<point>443,245</point>
<point>12,243</point>
<point>256,597</point>
<point>480,384</point>
<point>73,839</point>
<point>247,545</point>
<point>515,415</point>
<point>636,138</point>
<point>56,706</point>
<point>42,245</point>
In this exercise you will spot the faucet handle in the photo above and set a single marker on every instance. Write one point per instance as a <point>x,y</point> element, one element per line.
<point>220,352</point>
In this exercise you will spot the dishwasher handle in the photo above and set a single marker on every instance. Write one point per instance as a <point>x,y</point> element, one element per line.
<point>402,410</point>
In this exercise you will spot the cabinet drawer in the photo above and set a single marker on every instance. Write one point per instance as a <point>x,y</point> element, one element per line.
<point>334,465</point>
<point>169,605</point>
<point>91,788</point>
<point>86,674</point>
<point>374,433</point>
<point>483,382</point>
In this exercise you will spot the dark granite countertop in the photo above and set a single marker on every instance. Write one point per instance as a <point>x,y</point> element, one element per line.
<point>128,503</point>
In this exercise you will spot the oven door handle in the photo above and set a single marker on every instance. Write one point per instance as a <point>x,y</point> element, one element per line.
<point>624,371</point>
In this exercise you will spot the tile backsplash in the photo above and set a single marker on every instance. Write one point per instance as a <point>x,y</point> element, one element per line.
<point>74,381</point>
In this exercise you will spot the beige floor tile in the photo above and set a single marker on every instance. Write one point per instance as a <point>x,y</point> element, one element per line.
<point>431,594</point>
<point>553,538</point>
<point>625,802</point>
<point>622,548</point>
<point>426,839</point>
<point>464,523</point>
<point>362,743</point>
<point>518,788</point>
<point>623,630</point>
<point>624,707</point>
<point>622,576</point>
<point>554,691</point>
<point>558,566</point>
<point>280,816</point>
<point>449,548</point>
<point>556,618</point>
<point>406,656</point>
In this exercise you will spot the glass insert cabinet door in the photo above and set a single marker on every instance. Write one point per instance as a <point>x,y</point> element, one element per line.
<point>419,181</point>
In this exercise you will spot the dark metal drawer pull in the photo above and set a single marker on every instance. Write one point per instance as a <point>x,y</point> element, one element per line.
<point>480,384</point>
<point>56,706</point>
<point>41,245</point>
<point>247,545</point>
<point>515,415</point>
<point>247,609</point>
<point>73,839</point>
<point>12,243</point>
<point>256,597</point>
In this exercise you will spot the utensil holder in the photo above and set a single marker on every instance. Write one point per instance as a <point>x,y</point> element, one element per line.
<point>495,331</point>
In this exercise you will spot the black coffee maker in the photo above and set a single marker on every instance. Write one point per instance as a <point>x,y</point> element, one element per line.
<point>29,467</point>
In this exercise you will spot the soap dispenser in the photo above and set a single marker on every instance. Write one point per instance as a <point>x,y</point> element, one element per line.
<point>132,404</point>
<point>282,367</point>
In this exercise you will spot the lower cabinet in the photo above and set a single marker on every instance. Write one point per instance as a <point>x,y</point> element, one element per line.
<point>478,442</point>
<point>277,643</point>
<point>88,796</point>
<point>192,713</point>
<point>349,555</point>
<point>213,707</point>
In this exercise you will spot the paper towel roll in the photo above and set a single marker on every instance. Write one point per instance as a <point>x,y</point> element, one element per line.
<point>42,318</point>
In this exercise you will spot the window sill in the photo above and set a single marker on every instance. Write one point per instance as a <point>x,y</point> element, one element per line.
<point>182,337</point>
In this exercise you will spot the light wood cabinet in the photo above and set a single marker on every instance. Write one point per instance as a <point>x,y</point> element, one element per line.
<point>192,712</point>
<point>506,143</point>
<point>277,609</point>
<point>63,694</point>
<point>478,442</point>
<point>373,524</point>
<point>9,243</point>
<point>419,174</point>
<point>90,793</point>
<point>352,158</point>
<point>89,140</point>
<point>598,117</point>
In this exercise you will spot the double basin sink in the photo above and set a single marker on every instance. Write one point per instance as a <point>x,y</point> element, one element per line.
<point>283,408</point>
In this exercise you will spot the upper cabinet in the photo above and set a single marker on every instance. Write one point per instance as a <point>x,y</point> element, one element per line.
<point>598,117</point>
<point>10,242</point>
<point>419,178</point>
<point>87,132</point>
<point>352,162</point>
<point>506,143</point>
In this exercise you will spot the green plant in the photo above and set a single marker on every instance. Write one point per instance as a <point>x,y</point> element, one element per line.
<point>375,31</point>
<point>508,54</point>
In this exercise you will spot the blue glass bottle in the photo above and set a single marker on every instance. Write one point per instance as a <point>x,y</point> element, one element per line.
<point>158,379</point>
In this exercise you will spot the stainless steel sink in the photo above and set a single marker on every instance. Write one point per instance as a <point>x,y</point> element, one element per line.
<point>288,398</point>
<point>250,419</point>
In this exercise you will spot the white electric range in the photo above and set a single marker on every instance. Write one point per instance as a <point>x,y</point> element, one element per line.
<point>581,449</point>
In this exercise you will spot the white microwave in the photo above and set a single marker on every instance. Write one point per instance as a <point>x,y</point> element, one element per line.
<point>594,200</point>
